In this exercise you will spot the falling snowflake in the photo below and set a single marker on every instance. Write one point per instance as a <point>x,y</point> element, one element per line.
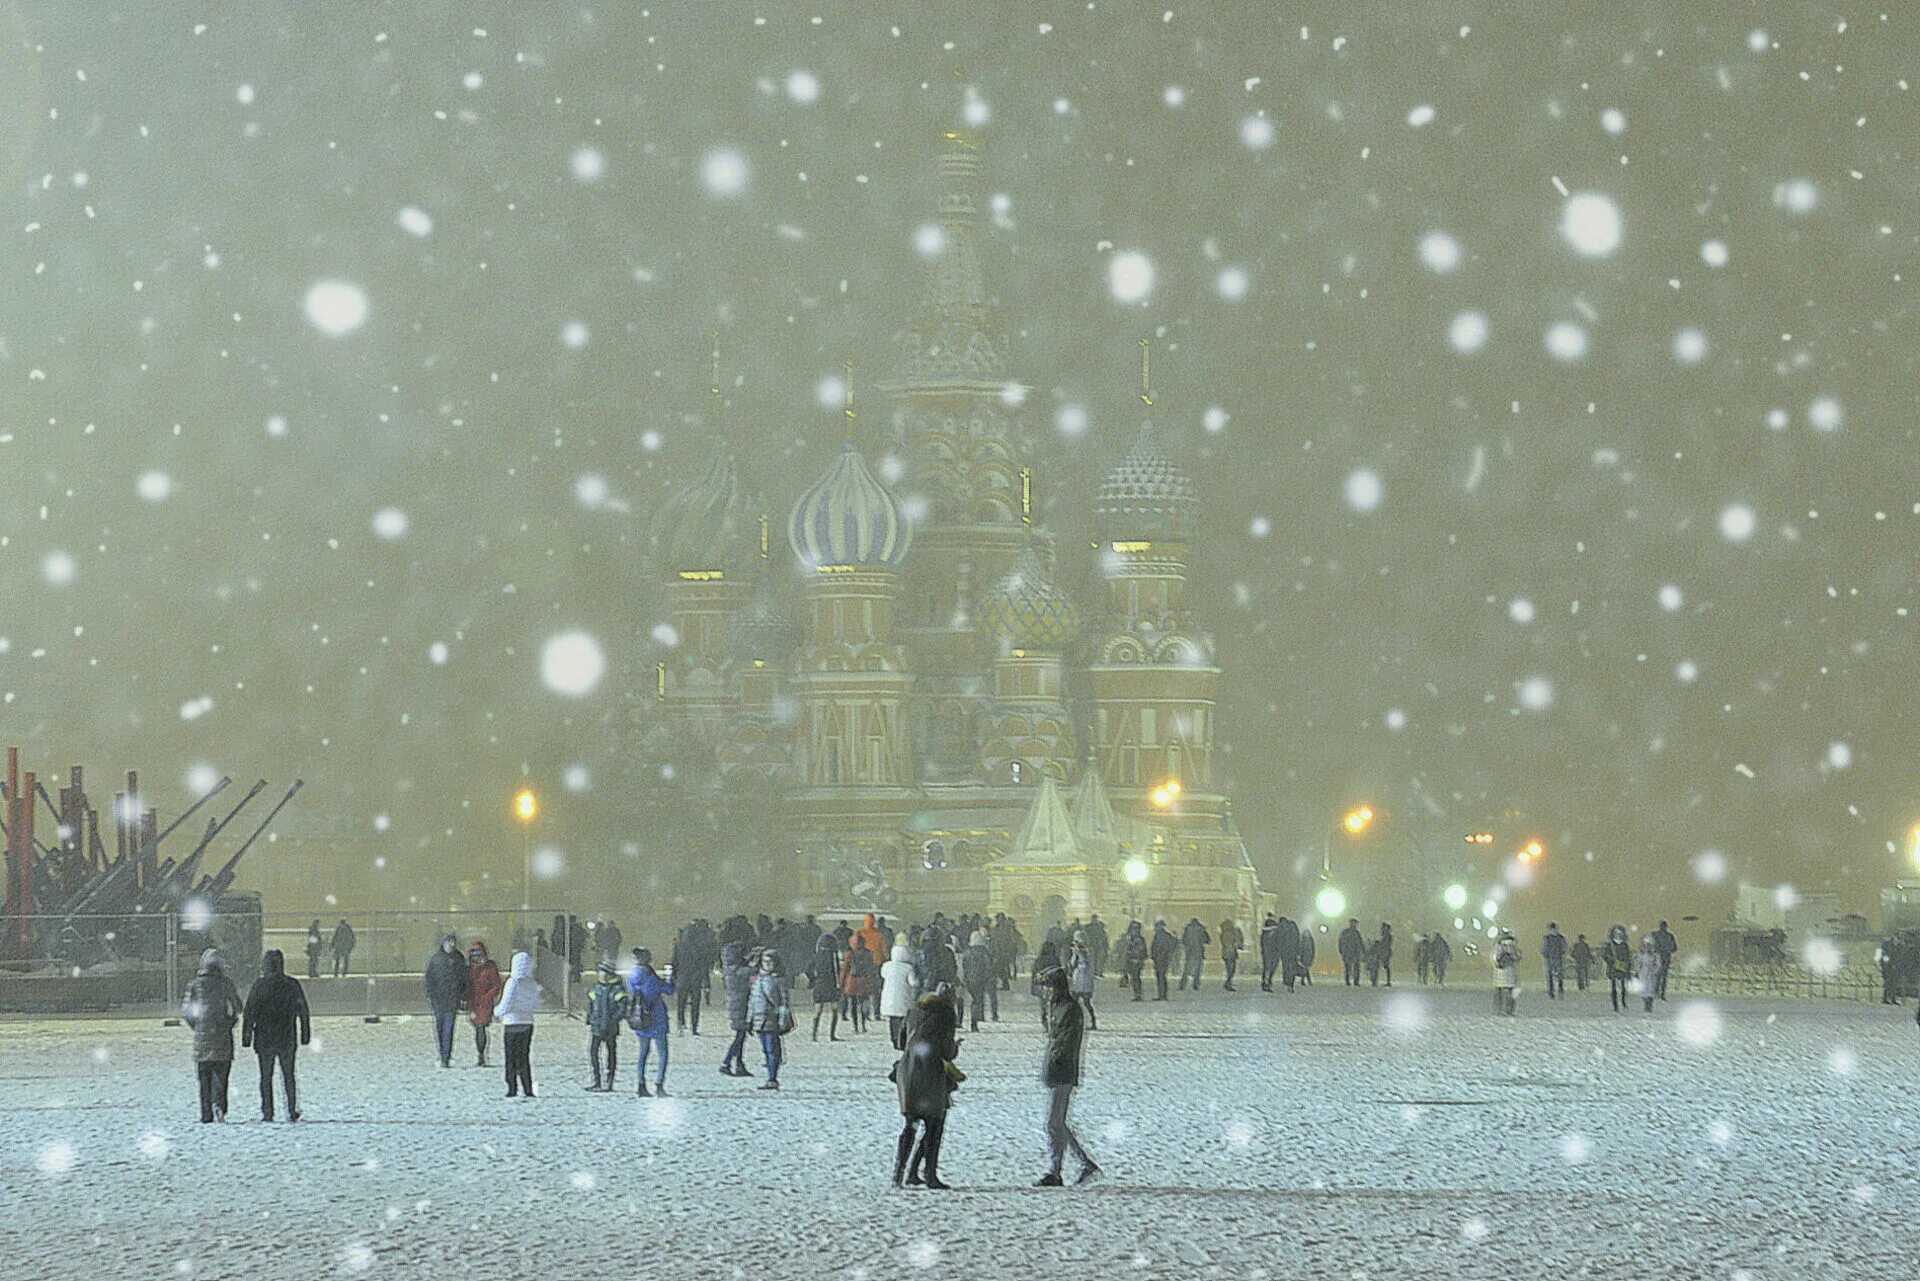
<point>1256,132</point>
<point>1439,252</point>
<point>1130,276</point>
<point>1591,224</point>
<point>1697,1023</point>
<point>1737,522</point>
<point>336,307</point>
<point>390,524</point>
<point>154,486</point>
<point>548,863</point>
<point>1364,489</point>
<point>723,171</point>
<point>1566,341</point>
<point>1575,1148</point>
<point>1825,414</point>
<point>415,221</point>
<point>57,1159</point>
<point>572,663</point>
<point>1536,693</point>
<point>1468,332</point>
<point>1710,866</point>
<point>589,164</point>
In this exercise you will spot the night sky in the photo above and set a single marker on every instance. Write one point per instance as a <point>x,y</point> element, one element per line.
<point>1549,380</point>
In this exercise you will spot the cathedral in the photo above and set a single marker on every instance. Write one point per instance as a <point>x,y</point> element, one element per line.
<point>893,670</point>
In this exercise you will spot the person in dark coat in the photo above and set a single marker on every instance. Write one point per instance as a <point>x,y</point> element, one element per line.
<point>1353,951</point>
<point>1439,951</point>
<point>1097,940</point>
<point>736,973</point>
<point>275,1014</point>
<point>608,939</point>
<point>343,940</point>
<point>1193,943</point>
<point>1553,950</point>
<point>1045,961</point>
<point>1383,951</point>
<point>1664,946</point>
<point>976,969</point>
<point>1287,940</point>
<point>1161,951</point>
<point>926,1078</point>
<point>1130,953</point>
<point>211,1008</point>
<point>449,986</point>
<point>316,943</point>
<point>607,1006</point>
<point>1269,951</point>
<point>1060,1074</point>
<point>1617,956</point>
<point>1303,966</point>
<point>1582,955</point>
<point>824,977</point>
<point>685,960</point>
<point>1231,941</point>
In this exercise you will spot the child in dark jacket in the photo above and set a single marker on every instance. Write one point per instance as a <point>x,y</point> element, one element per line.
<point>607,1007</point>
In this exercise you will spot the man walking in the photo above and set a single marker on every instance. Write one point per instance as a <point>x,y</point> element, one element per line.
<point>1060,1073</point>
<point>1132,953</point>
<point>1664,946</point>
<point>1161,951</point>
<point>449,986</point>
<point>1269,951</point>
<point>1582,955</point>
<point>1231,941</point>
<point>1353,950</point>
<point>276,1010</point>
<point>1193,942</point>
<point>1553,949</point>
<point>343,941</point>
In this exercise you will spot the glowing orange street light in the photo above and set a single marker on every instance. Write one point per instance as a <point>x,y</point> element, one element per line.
<point>1163,795</point>
<point>1532,852</point>
<point>1358,819</point>
<point>1479,838</point>
<point>526,805</point>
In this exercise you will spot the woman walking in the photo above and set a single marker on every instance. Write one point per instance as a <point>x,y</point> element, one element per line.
<point>484,975</point>
<point>1618,958</point>
<point>518,1000</point>
<point>1646,970</point>
<point>1060,1074</point>
<point>736,973</point>
<point>926,1078</point>
<point>770,1014</point>
<point>826,985</point>
<point>899,984</point>
<point>211,1009</point>
<point>860,977</point>
<point>1506,961</point>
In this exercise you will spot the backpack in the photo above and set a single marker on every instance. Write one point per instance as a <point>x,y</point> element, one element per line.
<point>640,1013</point>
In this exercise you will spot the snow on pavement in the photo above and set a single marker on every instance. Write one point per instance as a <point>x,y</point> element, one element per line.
<point>1329,1134</point>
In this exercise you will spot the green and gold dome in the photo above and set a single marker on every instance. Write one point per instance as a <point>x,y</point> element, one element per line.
<point>1024,610</point>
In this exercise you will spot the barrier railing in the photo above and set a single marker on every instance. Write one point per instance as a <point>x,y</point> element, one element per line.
<point>139,965</point>
<point>1846,984</point>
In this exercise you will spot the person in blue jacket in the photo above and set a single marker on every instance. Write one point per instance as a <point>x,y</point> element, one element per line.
<point>649,1017</point>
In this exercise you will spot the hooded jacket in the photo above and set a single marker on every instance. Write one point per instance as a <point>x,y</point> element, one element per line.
<point>1506,962</point>
<point>875,936</point>
<point>211,1008</point>
<point>607,1006</point>
<point>646,988</point>
<point>1617,955</point>
<point>922,1076</point>
<point>826,970</point>
<point>1066,1035</point>
<point>276,1008</point>
<point>447,982</point>
<point>769,1005</point>
<point>1646,965</point>
<point>1164,944</point>
<point>521,996</point>
<point>484,983</point>
<point>1553,947</point>
<point>898,983</point>
<point>976,963</point>
<point>1079,969</point>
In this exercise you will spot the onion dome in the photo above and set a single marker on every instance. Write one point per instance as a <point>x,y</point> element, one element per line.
<point>849,518</point>
<point>762,630</point>
<point>1025,610</point>
<point>711,524</point>
<point>1146,495</point>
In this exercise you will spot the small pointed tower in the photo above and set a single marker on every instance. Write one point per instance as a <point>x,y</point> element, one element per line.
<point>1029,624</point>
<point>704,548</point>
<point>1153,673</point>
<point>1045,876</point>
<point>958,429</point>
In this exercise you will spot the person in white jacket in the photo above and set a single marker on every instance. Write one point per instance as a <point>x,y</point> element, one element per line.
<point>1506,973</point>
<point>514,1012</point>
<point>899,986</point>
<point>1646,970</point>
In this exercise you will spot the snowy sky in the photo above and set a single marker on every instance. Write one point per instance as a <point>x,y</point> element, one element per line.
<point>1549,383</point>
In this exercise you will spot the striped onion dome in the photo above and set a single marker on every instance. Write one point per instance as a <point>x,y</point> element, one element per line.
<point>1146,495</point>
<point>711,524</point>
<point>848,518</point>
<point>762,629</point>
<point>1025,610</point>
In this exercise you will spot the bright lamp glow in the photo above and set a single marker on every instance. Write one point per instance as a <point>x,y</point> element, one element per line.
<point>526,805</point>
<point>1455,897</point>
<point>1135,870</point>
<point>1358,819</point>
<point>1490,909</point>
<point>1330,901</point>
<point>1161,796</point>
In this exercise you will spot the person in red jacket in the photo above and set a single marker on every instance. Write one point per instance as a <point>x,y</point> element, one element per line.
<point>486,990</point>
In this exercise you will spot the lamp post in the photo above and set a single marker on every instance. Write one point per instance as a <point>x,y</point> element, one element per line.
<point>526,807</point>
<point>1135,870</point>
<point>1354,822</point>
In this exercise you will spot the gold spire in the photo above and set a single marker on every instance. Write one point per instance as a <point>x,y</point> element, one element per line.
<point>1026,497</point>
<point>848,411</point>
<point>763,535</point>
<point>716,367</point>
<point>1146,372</point>
<point>660,679</point>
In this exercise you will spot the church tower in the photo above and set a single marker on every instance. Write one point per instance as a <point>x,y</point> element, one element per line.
<point>957,429</point>
<point>1030,623</point>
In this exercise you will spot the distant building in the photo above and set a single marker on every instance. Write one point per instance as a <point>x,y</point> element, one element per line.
<point>920,725</point>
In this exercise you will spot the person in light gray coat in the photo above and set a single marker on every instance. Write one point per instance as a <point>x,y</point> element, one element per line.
<point>1079,968</point>
<point>212,1008</point>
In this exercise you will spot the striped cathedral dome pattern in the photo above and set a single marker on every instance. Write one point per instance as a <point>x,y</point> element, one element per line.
<point>763,630</point>
<point>848,518</point>
<point>1026,610</point>
<point>1146,495</point>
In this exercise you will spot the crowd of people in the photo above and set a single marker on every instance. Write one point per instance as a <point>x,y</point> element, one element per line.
<point>923,983</point>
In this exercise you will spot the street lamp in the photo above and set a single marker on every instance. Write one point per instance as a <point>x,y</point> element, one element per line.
<point>526,807</point>
<point>1455,897</point>
<point>1354,822</point>
<point>1166,794</point>
<point>1330,902</point>
<point>1135,872</point>
<point>1532,852</point>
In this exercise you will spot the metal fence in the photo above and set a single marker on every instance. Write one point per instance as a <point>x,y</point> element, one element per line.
<point>139,966</point>
<point>1846,984</point>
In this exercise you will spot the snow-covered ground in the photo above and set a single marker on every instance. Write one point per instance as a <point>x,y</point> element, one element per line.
<point>1331,1134</point>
